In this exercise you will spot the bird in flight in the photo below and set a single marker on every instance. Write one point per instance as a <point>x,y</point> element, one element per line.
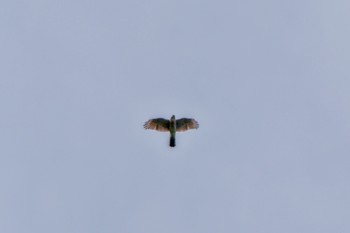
<point>172,126</point>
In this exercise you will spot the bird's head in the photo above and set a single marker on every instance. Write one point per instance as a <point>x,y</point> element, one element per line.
<point>172,117</point>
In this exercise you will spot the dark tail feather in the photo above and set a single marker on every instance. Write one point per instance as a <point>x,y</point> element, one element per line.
<point>172,141</point>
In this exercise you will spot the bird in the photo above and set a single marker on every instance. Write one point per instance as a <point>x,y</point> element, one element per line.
<point>172,126</point>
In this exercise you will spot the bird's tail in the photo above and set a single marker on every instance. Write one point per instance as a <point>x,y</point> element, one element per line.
<point>172,141</point>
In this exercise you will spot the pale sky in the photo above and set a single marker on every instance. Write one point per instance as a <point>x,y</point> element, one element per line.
<point>268,82</point>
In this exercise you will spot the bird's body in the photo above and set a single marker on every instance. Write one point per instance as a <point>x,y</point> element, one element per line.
<point>172,130</point>
<point>172,126</point>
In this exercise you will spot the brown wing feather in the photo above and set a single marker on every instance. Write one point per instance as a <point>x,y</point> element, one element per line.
<point>159,124</point>
<point>184,124</point>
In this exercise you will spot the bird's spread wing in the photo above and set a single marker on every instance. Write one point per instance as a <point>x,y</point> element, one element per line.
<point>184,124</point>
<point>159,124</point>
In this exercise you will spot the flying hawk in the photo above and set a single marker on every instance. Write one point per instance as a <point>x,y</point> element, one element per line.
<point>172,126</point>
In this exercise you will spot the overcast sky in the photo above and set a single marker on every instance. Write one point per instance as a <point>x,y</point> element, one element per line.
<point>268,82</point>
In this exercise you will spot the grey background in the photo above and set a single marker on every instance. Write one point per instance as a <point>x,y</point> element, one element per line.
<point>268,81</point>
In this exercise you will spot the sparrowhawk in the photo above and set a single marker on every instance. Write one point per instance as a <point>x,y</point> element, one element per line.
<point>172,126</point>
